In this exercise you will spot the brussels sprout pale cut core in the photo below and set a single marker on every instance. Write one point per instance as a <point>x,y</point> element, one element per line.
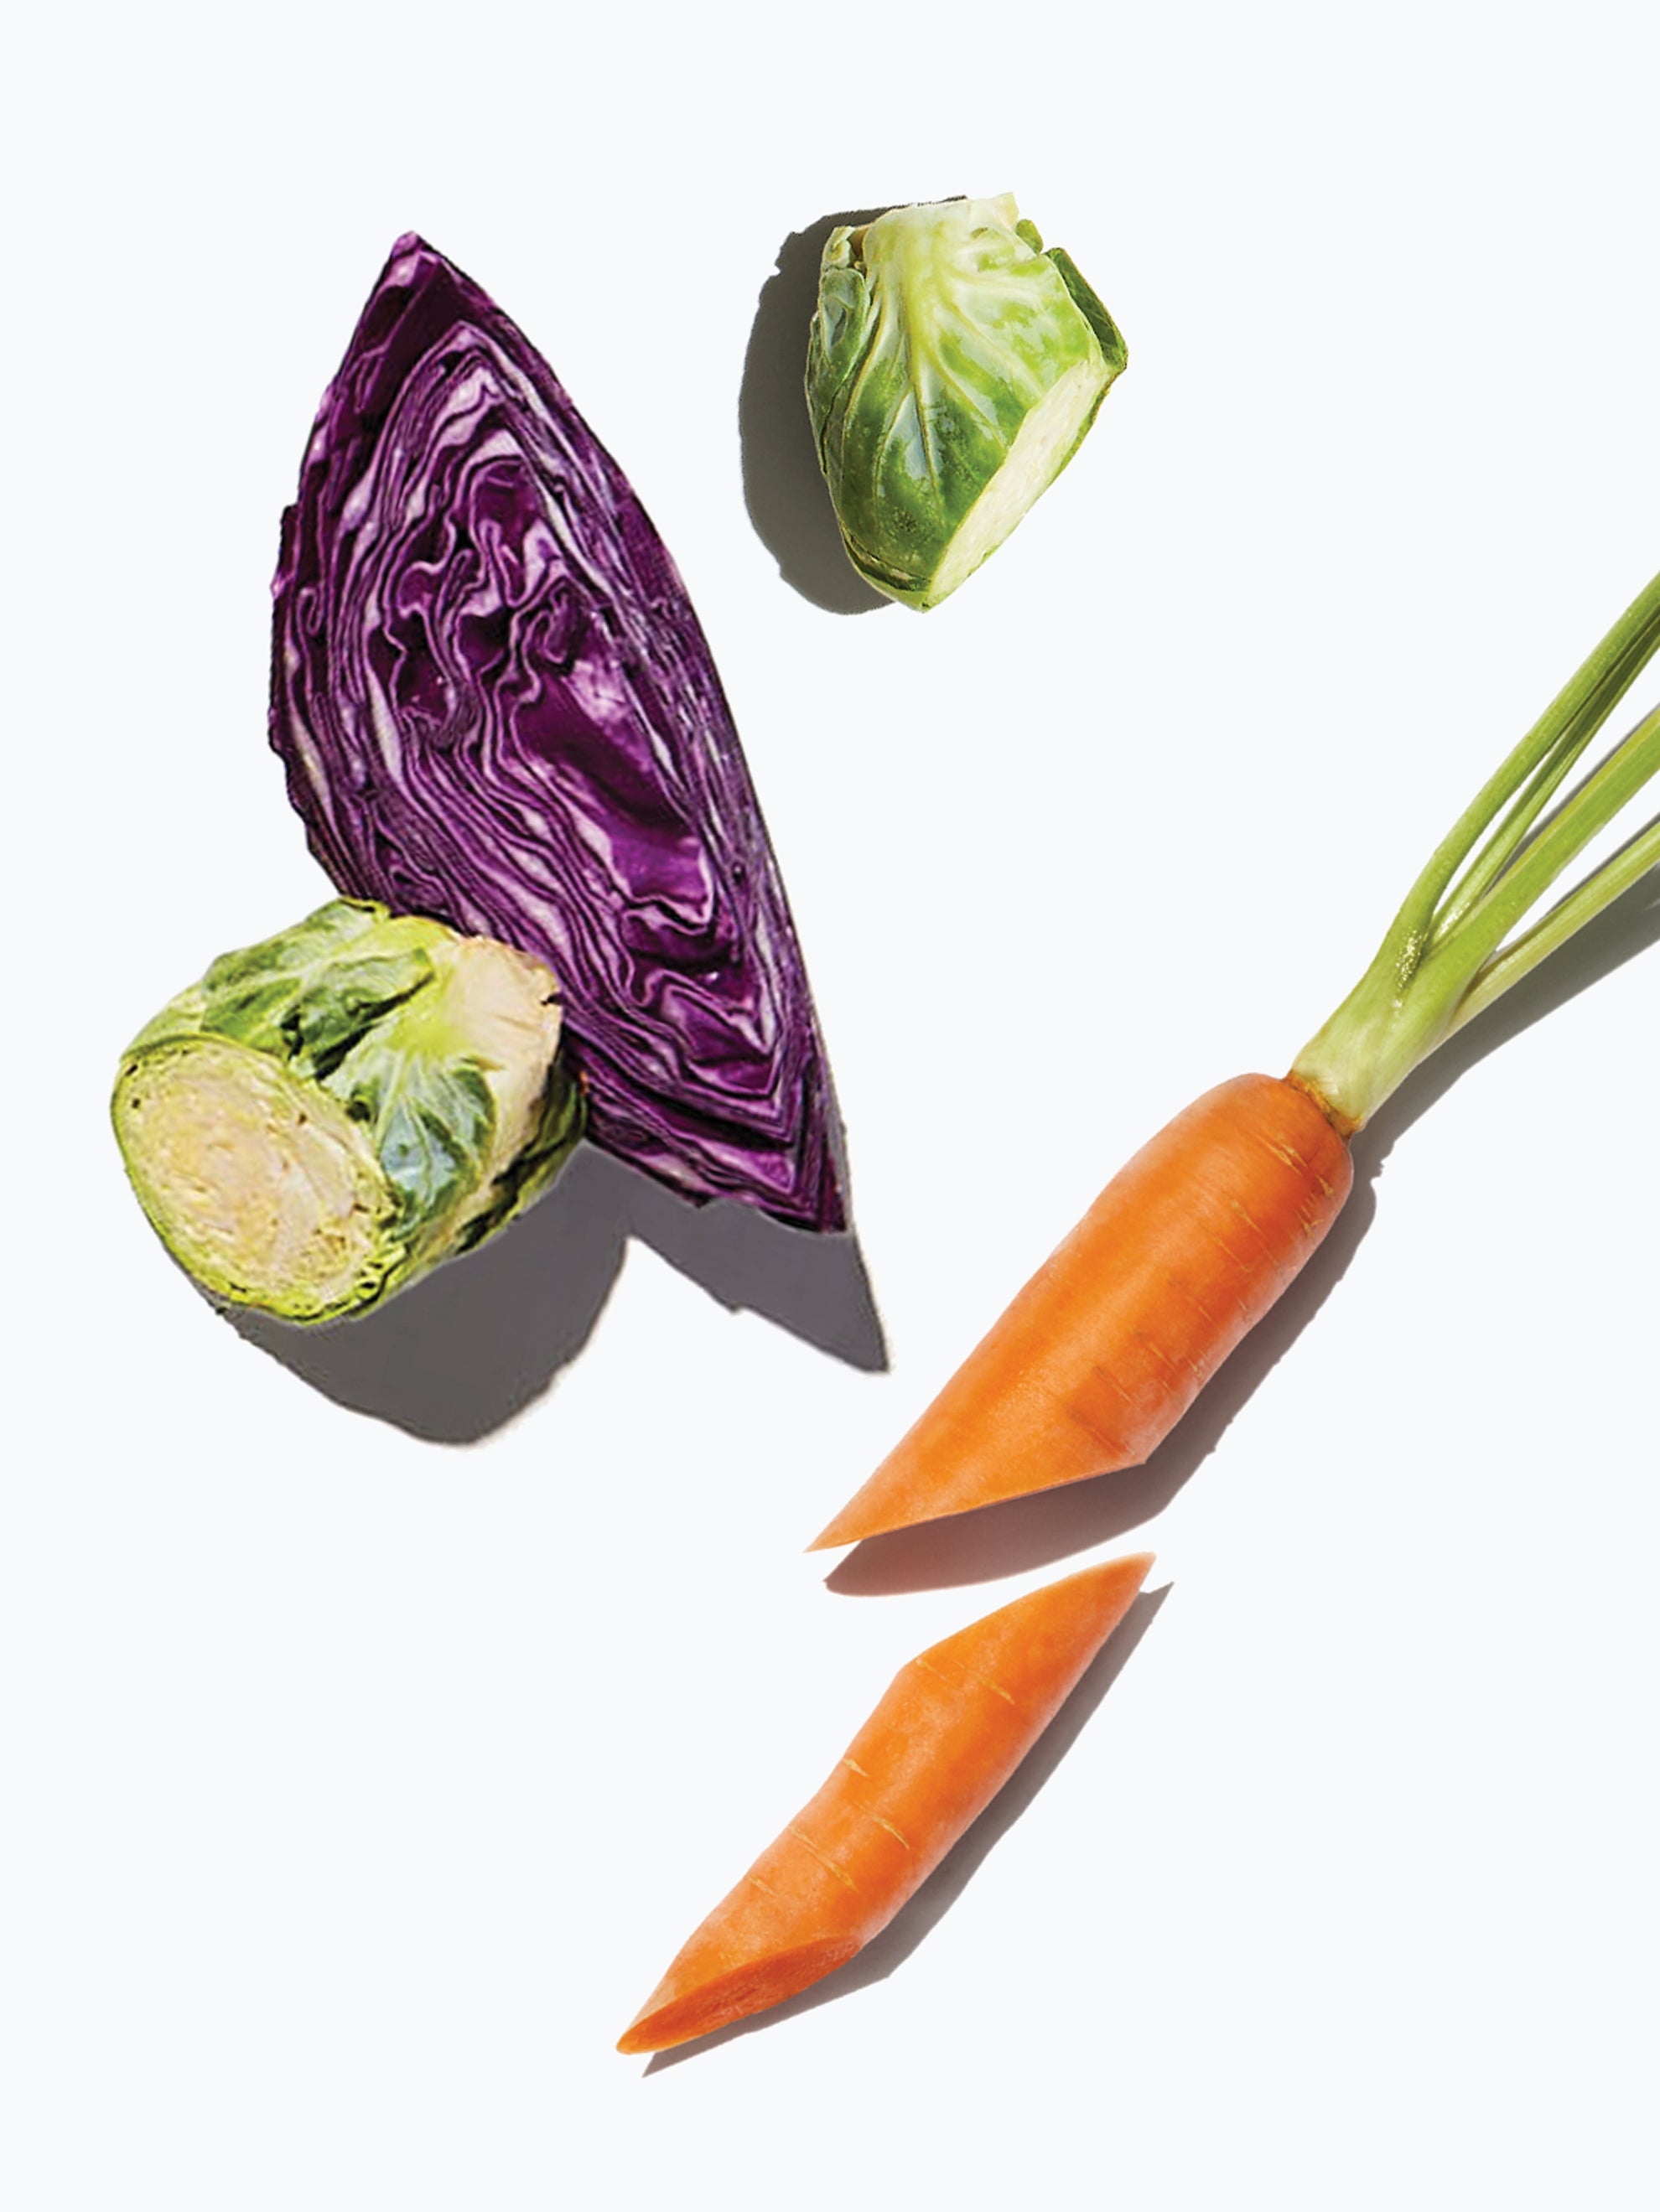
<point>953,366</point>
<point>326,1115</point>
<point>1042,446</point>
<point>265,1191</point>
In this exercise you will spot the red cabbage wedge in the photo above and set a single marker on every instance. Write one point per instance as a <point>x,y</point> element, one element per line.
<point>497,707</point>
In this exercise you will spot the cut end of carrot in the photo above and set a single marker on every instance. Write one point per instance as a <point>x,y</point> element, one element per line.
<point>675,2014</point>
<point>1034,1649</point>
<point>880,1509</point>
<point>872,1511</point>
<point>848,1528</point>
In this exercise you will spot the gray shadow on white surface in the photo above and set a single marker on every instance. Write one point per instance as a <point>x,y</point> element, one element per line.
<point>462,1351</point>
<point>784,487</point>
<point>929,1906</point>
<point>1028,1533</point>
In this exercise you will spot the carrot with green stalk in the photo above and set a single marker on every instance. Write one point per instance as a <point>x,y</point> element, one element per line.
<point>953,1726</point>
<point>1185,1250</point>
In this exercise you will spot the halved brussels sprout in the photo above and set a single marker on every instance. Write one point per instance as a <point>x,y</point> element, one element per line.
<point>327,1115</point>
<point>953,366</point>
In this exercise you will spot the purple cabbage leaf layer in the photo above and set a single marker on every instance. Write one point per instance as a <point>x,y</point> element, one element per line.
<point>496,707</point>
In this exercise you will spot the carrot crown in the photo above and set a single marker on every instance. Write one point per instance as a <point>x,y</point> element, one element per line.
<point>1459,940</point>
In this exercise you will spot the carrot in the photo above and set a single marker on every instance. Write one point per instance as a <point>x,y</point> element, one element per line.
<point>953,1727</point>
<point>1105,1348</point>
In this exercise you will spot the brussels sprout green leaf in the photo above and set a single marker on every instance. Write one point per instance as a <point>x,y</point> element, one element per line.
<point>328,1113</point>
<point>953,366</point>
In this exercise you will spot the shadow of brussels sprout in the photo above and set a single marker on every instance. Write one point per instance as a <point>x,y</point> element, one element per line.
<point>464,1350</point>
<point>784,487</point>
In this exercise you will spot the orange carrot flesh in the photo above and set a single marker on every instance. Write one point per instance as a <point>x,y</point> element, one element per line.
<point>1109,1344</point>
<point>951,1729</point>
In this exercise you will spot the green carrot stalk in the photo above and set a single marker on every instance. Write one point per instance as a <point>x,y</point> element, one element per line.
<point>1453,947</point>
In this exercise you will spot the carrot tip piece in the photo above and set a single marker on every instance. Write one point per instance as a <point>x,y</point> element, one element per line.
<point>954,1724</point>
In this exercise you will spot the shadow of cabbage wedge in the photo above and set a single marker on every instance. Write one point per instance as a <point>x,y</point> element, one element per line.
<point>468,1349</point>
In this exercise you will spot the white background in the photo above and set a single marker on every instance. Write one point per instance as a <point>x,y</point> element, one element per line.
<point>359,1781</point>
